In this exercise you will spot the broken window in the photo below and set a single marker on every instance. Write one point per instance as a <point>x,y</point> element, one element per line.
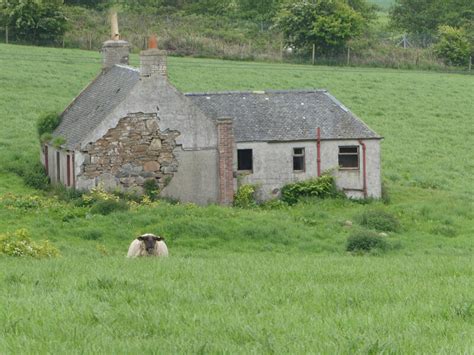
<point>349,157</point>
<point>298,159</point>
<point>244,159</point>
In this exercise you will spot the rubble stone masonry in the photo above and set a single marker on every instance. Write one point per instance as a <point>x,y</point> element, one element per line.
<point>226,165</point>
<point>131,153</point>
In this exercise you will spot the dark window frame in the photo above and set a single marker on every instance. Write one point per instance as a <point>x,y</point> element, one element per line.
<point>302,156</point>
<point>349,151</point>
<point>241,165</point>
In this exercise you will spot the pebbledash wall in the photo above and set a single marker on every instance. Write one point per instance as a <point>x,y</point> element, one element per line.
<point>273,166</point>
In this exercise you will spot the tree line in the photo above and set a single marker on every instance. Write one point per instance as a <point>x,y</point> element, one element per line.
<point>327,26</point>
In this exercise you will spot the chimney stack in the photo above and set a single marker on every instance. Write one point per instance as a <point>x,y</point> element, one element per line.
<point>115,50</point>
<point>153,60</point>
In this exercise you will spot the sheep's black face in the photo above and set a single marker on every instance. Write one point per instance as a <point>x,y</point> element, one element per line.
<point>150,242</point>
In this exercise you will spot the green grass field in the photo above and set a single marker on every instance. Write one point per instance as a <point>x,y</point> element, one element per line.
<point>247,280</point>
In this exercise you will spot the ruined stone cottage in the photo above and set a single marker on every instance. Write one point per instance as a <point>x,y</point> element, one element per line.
<point>130,125</point>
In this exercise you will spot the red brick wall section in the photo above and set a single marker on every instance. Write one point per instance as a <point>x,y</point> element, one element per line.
<point>226,157</point>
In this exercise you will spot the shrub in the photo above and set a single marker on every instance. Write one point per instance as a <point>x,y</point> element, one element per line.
<point>273,204</point>
<point>150,187</point>
<point>245,196</point>
<point>47,123</point>
<point>364,241</point>
<point>20,244</point>
<point>379,220</point>
<point>321,187</point>
<point>105,207</point>
<point>97,194</point>
<point>35,176</point>
<point>453,46</point>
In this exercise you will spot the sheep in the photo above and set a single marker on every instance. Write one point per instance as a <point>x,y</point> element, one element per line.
<point>147,245</point>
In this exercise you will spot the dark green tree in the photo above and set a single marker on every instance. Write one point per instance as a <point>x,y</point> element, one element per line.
<point>425,16</point>
<point>36,21</point>
<point>328,24</point>
<point>453,46</point>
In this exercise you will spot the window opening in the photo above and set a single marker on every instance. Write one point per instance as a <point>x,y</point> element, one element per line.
<point>298,159</point>
<point>244,159</point>
<point>349,157</point>
<point>58,167</point>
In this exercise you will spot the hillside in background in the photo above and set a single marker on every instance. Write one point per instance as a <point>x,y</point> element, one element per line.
<point>264,279</point>
<point>384,4</point>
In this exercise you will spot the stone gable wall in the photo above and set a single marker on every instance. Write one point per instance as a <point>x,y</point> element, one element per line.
<point>131,153</point>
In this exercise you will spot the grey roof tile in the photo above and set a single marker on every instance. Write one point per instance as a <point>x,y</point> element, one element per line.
<point>283,115</point>
<point>95,103</point>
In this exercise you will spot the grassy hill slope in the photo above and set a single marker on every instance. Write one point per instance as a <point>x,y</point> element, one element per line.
<point>384,4</point>
<point>247,280</point>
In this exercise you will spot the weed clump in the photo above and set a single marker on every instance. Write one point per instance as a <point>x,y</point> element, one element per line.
<point>151,189</point>
<point>365,241</point>
<point>245,196</point>
<point>379,220</point>
<point>322,187</point>
<point>35,176</point>
<point>47,123</point>
<point>105,207</point>
<point>19,243</point>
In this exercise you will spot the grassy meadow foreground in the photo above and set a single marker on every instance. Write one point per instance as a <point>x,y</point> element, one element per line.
<point>247,280</point>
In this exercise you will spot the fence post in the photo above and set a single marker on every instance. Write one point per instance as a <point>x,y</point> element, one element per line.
<point>314,54</point>
<point>6,34</point>
<point>470,63</point>
<point>348,55</point>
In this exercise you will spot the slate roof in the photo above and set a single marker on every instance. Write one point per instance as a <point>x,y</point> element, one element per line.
<point>95,103</point>
<point>283,115</point>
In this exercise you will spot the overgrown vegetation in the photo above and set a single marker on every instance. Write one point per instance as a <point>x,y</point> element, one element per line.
<point>151,189</point>
<point>245,196</point>
<point>345,32</point>
<point>105,207</point>
<point>379,220</point>
<point>19,244</point>
<point>365,241</point>
<point>321,187</point>
<point>46,124</point>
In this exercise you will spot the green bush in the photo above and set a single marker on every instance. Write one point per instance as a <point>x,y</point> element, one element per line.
<point>245,196</point>
<point>20,244</point>
<point>321,187</point>
<point>105,207</point>
<point>453,46</point>
<point>379,220</point>
<point>35,176</point>
<point>47,123</point>
<point>363,241</point>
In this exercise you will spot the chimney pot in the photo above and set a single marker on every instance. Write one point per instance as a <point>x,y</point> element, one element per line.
<point>153,60</point>
<point>153,42</point>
